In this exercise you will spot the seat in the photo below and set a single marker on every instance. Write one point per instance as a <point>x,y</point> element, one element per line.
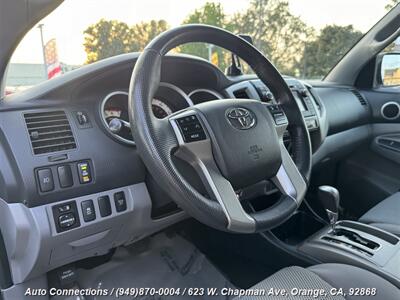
<point>327,278</point>
<point>385,215</point>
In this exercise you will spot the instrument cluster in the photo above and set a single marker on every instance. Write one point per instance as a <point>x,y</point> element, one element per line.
<point>168,99</point>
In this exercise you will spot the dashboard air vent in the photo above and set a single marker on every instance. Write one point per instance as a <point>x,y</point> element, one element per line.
<point>360,97</point>
<point>49,132</point>
<point>241,94</point>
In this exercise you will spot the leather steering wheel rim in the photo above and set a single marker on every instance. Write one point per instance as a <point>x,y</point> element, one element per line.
<point>158,139</point>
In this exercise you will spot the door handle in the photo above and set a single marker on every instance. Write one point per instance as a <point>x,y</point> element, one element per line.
<point>390,143</point>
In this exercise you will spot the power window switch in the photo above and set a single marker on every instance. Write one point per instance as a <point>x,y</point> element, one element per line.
<point>88,211</point>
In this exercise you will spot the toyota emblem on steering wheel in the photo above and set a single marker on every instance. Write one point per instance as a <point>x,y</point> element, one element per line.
<point>241,118</point>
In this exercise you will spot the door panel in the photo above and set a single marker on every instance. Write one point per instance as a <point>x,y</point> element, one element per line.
<point>387,145</point>
<point>372,173</point>
<point>364,179</point>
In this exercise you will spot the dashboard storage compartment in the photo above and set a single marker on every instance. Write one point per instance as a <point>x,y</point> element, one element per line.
<point>90,245</point>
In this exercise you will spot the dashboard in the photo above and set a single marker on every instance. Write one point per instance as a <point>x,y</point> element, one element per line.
<point>170,98</point>
<point>70,170</point>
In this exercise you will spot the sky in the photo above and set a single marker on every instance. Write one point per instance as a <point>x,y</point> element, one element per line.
<point>68,21</point>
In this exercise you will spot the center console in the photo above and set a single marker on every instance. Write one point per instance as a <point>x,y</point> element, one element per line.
<point>357,244</point>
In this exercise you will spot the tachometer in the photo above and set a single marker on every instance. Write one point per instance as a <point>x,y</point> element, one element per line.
<point>160,109</point>
<point>112,112</point>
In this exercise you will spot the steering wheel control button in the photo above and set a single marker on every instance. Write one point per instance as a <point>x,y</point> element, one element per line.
<point>104,206</point>
<point>66,220</point>
<point>88,211</point>
<point>45,180</point>
<point>280,119</point>
<point>311,124</point>
<point>65,176</point>
<point>278,114</point>
<point>84,172</point>
<point>120,201</point>
<point>191,129</point>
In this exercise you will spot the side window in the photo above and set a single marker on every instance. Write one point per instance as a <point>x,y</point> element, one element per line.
<point>40,63</point>
<point>26,69</point>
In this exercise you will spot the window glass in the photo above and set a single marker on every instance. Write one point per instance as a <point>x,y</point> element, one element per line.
<point>302,38</point>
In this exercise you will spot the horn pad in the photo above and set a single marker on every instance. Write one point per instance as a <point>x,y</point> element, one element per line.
<point>245,142</point>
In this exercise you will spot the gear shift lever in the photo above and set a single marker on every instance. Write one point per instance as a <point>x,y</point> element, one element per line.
<point>329,197</point>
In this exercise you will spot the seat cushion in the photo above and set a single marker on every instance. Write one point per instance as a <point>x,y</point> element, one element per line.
<point>325,278</point>
<point>385,215</point>
<point>347,276</point>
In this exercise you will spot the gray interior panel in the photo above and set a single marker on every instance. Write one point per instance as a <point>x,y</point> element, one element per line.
<point>34,246</point>
<point>339,145</point>
<point>18,291</point>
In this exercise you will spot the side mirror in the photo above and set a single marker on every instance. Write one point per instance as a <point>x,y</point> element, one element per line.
<point>390,69</point>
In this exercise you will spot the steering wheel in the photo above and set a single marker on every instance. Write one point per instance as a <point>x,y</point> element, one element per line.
<point>231,143</point>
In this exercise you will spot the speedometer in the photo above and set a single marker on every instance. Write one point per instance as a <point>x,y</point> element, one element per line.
<point>114,109</point>
<point>160,109</point>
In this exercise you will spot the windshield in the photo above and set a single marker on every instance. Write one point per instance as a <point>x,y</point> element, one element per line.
<point>304,39</point>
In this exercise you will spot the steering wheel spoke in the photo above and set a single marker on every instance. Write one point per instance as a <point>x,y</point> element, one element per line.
<point>198,154</point>
<point>288,179</point>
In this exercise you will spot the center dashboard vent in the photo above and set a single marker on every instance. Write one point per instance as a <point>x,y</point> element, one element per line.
<point>359,97</point>
<point>49,132</point>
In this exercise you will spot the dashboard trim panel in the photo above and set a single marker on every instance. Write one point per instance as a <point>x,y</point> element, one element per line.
<point>244,85</point>
<point>179,91</point>
<point>214,93</point>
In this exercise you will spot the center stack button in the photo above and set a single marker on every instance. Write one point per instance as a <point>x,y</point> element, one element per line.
<point>84,172</point>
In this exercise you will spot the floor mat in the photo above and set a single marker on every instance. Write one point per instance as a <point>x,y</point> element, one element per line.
<point>164,262</point>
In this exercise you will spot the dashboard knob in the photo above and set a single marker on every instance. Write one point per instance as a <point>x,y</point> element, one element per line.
<point>269,96</point>
<point>115,125</point>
